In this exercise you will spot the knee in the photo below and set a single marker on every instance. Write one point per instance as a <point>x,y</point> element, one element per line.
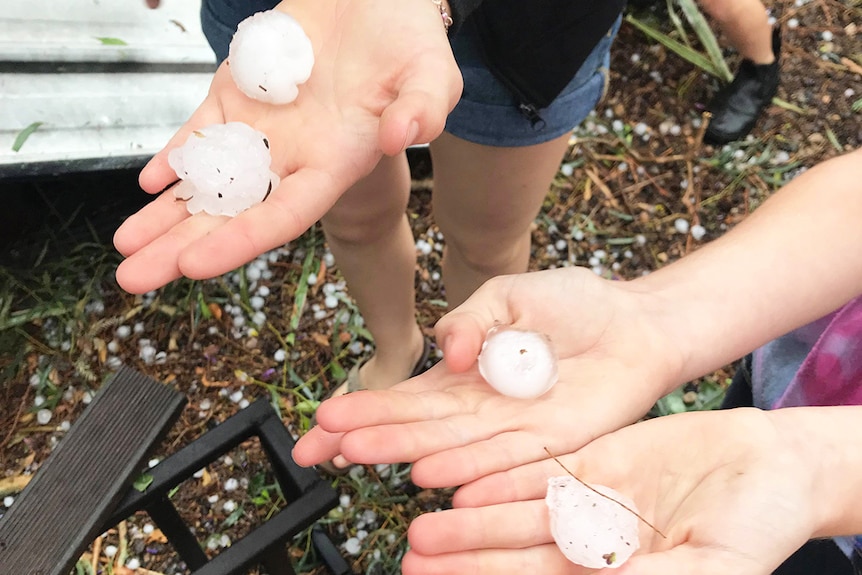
<point>489,254</point>
<point>362,226</point>
<point>722,11</point>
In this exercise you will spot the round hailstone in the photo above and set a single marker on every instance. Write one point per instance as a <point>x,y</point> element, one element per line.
<point>224,168</point>
<point>269,56</point>
<point>589,529</point>
<point>518,363</point>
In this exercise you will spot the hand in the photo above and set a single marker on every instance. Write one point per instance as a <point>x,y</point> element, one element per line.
<point>613,365</point>
<point>384,77</point>
<point>731,493</point>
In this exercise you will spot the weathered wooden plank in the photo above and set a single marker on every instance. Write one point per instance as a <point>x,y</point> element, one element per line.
<point>73,493</point>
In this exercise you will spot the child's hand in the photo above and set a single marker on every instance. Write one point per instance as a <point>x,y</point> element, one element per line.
<point>384,77</point>
<point>613,365</point>
<point>732,493</point>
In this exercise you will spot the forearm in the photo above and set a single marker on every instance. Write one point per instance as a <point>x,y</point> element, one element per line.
<point>826,439</point>
<point>795,259</point>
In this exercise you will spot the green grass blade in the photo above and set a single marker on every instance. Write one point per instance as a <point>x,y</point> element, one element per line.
<point>705,35</point>
<point>106,41</point>
<point>24,134</point>
<point>675,46</point>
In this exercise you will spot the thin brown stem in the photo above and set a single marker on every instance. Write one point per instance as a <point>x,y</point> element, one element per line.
<point>593,489</point>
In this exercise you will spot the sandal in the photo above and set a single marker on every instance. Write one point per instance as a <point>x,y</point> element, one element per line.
<point>353,385</point>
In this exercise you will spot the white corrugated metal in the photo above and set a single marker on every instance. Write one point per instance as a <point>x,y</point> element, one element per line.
<point>101,103</point>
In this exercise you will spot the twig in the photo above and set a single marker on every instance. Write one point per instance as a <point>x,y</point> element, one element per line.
<point>593,489</point>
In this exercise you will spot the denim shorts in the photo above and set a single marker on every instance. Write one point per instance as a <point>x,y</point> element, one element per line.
<point>487,113</point>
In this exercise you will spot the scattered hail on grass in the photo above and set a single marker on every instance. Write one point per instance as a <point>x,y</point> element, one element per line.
<point>224,168</point>
<point>518,363</point>
<point>269,56</point>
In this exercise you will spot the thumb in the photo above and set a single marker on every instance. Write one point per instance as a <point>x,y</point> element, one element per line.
<point>424,100</point>
<point>461,335</point>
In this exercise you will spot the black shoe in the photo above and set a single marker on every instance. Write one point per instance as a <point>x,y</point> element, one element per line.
<point>737,106</point>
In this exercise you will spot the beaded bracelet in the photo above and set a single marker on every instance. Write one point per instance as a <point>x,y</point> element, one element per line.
<point>447,19</point>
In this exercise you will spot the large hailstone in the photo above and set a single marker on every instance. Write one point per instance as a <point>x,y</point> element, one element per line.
<point>269,56</point>
<point>518,363</point>
<point>224,168</point>
<point>589,529</point>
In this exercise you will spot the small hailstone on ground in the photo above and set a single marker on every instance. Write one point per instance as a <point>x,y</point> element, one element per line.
<point>8,501</point>
<point>330,301</point>
<point>148,528</point>
<point>518,363</point>
<point>133,564</point>
<point>269,56</point>
<point>793,23</point>
<point>110,551</point>
<point>231,484</point>
<point>152,463</point>
<point>827,36</point>
<point>229,506</point>
<point>311,280</point>
<point>589,529</point>
<point>224,168</point>
<point>849,92</point>
<point>681,225</point>
<point>697,232</point>
<point>43,416</point>
<point>353,546</point>
<point>567,170</point>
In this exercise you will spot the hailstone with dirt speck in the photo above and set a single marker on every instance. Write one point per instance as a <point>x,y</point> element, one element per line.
<point>518,363</point>
<point>591,530</point>
<point>269,56</point>
<point>224,168</point>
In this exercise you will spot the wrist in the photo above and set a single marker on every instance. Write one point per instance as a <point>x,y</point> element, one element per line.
<point>445,13</point>
<point>827,440</point>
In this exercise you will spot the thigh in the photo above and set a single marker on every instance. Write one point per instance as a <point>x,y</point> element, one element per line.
<point>373,205</point>
<point>485,195</point>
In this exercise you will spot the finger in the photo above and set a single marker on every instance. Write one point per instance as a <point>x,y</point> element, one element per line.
<point>300,200</point>
<point>512,525</point>
<point>520,483</point>
<point>150,222</point>
<point>458,465</point>
<point>316,446</point>
<point>462,331</point>
<point>388,407</point>
<point>410,442</point>
<point>545,559</point>
<point>156,264</point>
<point>424,100</point>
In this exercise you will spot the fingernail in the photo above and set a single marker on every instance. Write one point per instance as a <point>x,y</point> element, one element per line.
<point>412,131</point>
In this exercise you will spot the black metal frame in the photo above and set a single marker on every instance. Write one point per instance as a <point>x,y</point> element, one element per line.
<point>309,498</point>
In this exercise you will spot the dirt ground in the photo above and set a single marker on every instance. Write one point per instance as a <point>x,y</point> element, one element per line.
<point>633,171</point>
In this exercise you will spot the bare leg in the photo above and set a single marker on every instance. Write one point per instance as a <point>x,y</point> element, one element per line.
<point>370,237</point>
<point>485,200</point>
<point>746,26</point>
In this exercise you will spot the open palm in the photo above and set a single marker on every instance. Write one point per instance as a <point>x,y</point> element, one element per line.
<point>384,77</point>
<point>613,365</point>
<point>725,489</point>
